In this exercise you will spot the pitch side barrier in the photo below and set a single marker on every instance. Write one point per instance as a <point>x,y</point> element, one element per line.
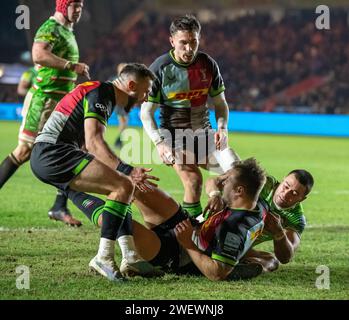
<point>258,122</point>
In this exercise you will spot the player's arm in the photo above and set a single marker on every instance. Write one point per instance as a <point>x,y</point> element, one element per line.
<point>214,187</point>
<point>221,111</point>
<point>212,269</point>
<point>222,115</point>
<point>148,119</point>
<point>24,84</point>
<point>286,241</point>
<point>285,245</point>
<point>149,124</point>
<point>96,144</point>
<point>42,55</point>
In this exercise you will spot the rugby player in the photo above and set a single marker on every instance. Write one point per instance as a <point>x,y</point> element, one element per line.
<point>178,244</point>
<point>70,153</point>
<point>186,78</point>
<point>56,57</point>
<point>284,222</point>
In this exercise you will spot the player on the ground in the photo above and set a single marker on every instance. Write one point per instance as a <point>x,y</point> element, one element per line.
<point>284,222</point>
<point>186,78</point>
<point>213,247</point>
<point>71,154</point>
<point>56,57</point>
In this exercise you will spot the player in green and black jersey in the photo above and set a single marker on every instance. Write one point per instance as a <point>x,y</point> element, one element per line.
<point>284,222</point>
<point>56,58</point>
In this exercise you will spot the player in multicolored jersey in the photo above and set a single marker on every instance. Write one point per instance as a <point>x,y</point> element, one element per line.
<point>56,57</point>
<point>186,78</point>
<point>284,222</point>
<point>178,243</point>
<point>71,154</point>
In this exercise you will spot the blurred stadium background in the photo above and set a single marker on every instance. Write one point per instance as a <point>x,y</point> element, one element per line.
<point>271,56</point>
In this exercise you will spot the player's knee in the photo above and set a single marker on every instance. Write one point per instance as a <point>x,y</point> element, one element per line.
<point>124,188</point>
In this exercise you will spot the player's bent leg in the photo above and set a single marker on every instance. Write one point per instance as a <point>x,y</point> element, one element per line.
<point>191,178</point>
<point>12,162</point>
<point>147,244</point>
<point>98,178</point>
<point>156,206</point>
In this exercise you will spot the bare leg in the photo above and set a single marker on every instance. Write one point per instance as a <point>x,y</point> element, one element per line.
<point>147,242</point>
<point>156,206</point>
<point>191,178</point>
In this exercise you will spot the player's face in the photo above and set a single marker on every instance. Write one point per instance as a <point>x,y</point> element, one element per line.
<point>141,90</point>
<point>231,188</point>
<point>75,11</point>
<point>289,192</point>
<point>185,45</point>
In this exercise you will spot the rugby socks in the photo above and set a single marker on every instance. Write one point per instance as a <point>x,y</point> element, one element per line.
<point>114,213</point>
<point>91,206</point>
<point>126,240</point>
<point>60,202</point>
<point>7,168</point>
<point>193,209</point>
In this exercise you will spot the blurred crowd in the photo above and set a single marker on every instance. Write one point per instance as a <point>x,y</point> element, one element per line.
<point>259,58</point>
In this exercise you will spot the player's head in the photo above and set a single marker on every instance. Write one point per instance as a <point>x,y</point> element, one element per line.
<point>293,189</point>
<point>185,38</point>
<point>119,67</point>
<point>245,181</point>
<point>137,80</point>
<point>71,9</point>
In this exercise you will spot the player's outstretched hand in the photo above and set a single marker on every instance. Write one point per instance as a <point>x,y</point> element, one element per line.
<point>141,179</point>
<point>82,69</point>
<point>184,231</point>
<point>214,205</point>
<point>165,153</point>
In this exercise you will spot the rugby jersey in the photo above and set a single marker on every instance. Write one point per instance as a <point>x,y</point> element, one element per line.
<point>91,99</point>
<point>182,90</point>
<point>63,44</point>
<point>227,235</point>
<point>292,218</point>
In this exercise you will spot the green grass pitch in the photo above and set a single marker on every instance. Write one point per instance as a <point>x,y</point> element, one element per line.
<point>58,256</point>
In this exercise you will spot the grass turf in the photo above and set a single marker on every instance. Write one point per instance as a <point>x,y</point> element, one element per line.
<point>58,255</point>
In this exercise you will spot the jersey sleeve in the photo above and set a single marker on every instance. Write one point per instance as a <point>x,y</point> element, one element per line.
<point>94,107</point>
<point>297,220</point>
<point>228,244</point>
<point>217,85</point>
<point>47,33</point>
<point>155,94</point>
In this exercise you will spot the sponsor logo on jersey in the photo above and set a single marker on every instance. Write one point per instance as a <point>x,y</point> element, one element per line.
<point>189,95</point>
<point>103,108</point>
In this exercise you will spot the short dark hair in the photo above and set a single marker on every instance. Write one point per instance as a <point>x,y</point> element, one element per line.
<point>187,22</point>
<point>250,175</point>
<point>304,177</point>
<point>138,70</point>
